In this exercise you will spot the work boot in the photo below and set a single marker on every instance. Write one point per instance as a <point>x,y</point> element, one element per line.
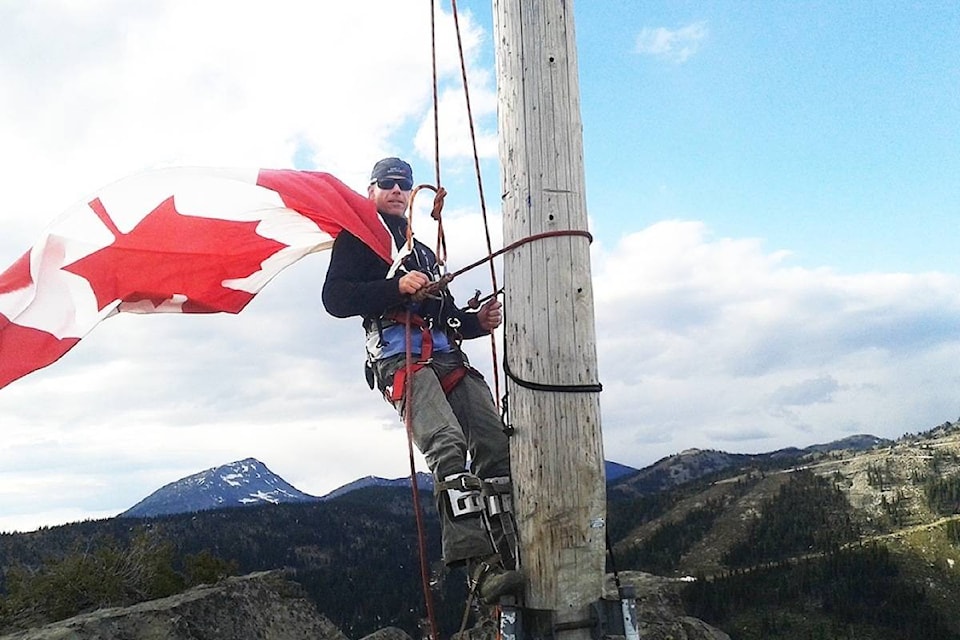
<point>490,581</point>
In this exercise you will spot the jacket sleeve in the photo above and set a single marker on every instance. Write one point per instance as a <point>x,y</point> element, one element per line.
<point>355,283</point>
<point>469,324</point>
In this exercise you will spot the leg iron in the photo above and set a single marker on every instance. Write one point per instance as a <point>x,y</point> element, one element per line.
<point>463,492</point>
<point>491,499</point>
<point>498,518</point>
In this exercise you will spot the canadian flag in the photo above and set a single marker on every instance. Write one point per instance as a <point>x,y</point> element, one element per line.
<point>184,240</point>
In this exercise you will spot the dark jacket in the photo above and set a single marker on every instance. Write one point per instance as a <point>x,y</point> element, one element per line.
<point>356,283</point>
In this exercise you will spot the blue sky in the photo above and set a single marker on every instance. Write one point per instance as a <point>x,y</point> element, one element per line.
<point>772,188</point>
<point>828,129</point>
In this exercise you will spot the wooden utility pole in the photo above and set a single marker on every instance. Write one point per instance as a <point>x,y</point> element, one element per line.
<point>549,334</point>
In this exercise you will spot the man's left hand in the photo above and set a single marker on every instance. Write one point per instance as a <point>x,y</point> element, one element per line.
<point>490,315</point>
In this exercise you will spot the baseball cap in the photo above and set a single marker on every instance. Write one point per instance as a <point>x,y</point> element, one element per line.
<point>391,168</point>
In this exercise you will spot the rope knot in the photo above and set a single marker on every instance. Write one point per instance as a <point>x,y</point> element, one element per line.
<point>432,290</point>
<point>438,203</point>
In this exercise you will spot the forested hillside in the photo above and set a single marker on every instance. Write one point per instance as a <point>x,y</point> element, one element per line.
<point>838,545</point>
<point>833,544</point>
<point>356,556</point>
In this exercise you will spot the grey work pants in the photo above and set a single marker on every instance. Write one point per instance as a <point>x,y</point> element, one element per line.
<point>445,427</point>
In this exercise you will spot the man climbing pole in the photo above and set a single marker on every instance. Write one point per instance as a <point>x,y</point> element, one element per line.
<point>453,411</point>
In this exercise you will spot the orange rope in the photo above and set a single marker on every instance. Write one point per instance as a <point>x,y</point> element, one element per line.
<point>421,537</point>
<point>441,238</point>
<point>519,243</point>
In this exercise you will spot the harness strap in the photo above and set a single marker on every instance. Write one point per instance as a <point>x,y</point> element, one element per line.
<point>402,317</point>
<point>448,382</point>
<point>460,482</point>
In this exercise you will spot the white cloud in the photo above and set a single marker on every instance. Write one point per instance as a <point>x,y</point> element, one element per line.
<point>805,392</point>
<point>705,342</point>
<point>99,90</point>
<point>702,342</point>
<point>675,45</point>
<point>717,340</point>
<point>92,95</point>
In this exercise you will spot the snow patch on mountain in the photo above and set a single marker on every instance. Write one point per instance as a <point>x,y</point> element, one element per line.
<point>237,484</point>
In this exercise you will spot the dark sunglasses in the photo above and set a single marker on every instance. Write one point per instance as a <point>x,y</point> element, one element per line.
<point>389,183</point>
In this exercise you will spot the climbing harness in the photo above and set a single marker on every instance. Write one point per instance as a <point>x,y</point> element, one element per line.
<point>395,388</point>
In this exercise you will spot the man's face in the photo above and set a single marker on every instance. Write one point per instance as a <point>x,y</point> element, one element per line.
<point>392,201</point>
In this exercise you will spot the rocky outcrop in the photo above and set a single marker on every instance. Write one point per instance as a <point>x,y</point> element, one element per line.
<point>260,605</point>
<point>268,606</point>
<point>660,614</point>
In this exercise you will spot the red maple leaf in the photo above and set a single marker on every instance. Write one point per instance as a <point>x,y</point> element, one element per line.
<point>167,254</point>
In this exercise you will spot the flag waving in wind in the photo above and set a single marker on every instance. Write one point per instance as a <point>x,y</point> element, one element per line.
<point>187,240</point>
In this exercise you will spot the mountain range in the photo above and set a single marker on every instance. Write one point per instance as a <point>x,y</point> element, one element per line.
<point>249,482</point>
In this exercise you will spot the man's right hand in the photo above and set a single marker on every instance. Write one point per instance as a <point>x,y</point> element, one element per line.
<point>412,282</point>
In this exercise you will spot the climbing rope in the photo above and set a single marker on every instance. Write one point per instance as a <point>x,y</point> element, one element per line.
<point>483,203</point>
<point>408,364</point>
<point>431,619</point>
<point>421,537</point>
